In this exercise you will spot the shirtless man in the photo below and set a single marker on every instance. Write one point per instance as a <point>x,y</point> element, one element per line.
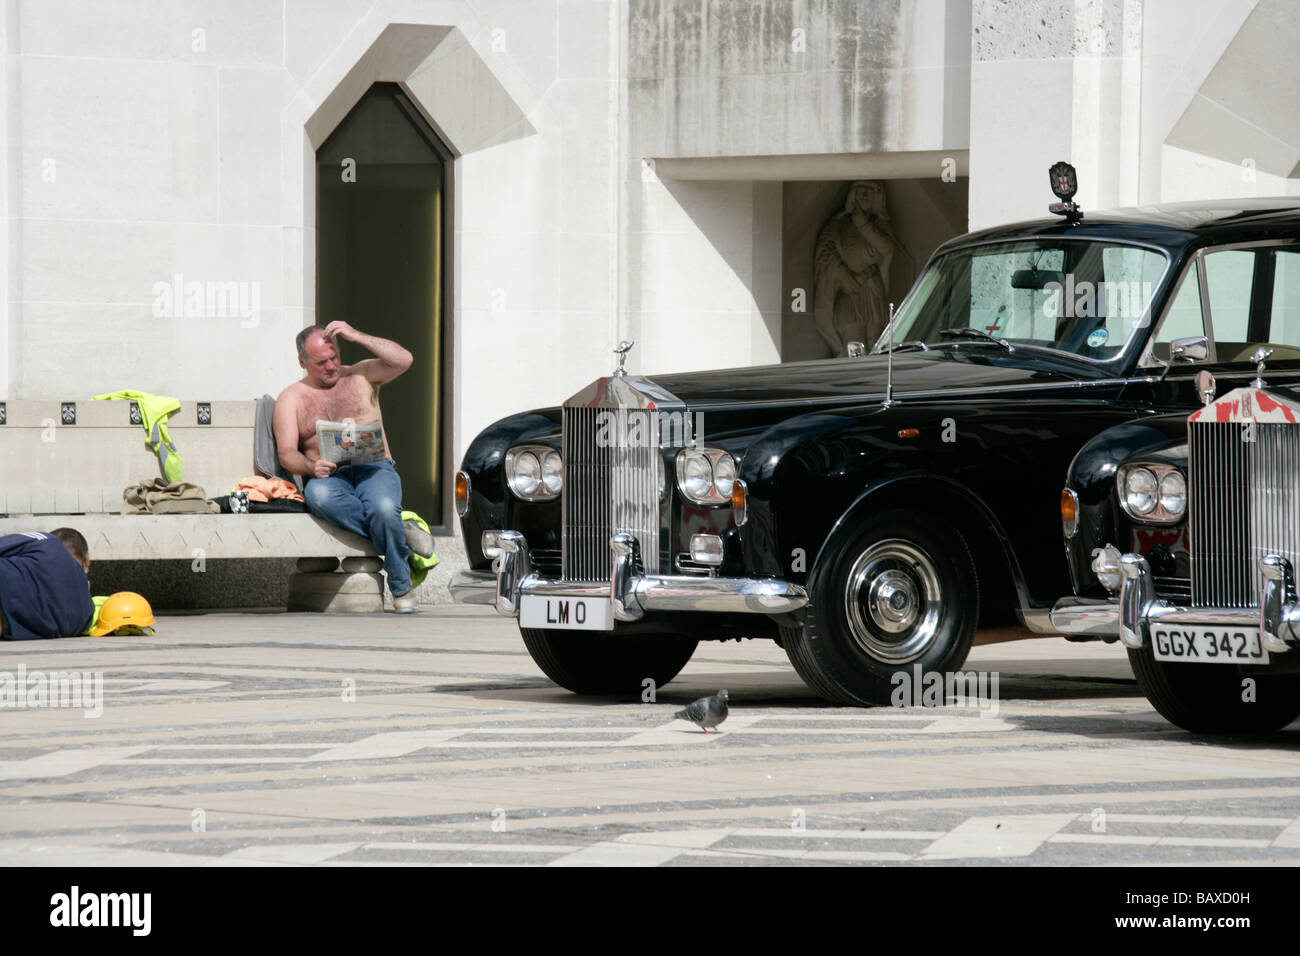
<point>363,499</point>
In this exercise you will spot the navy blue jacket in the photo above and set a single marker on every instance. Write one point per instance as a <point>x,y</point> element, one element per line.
<point>44,591</point>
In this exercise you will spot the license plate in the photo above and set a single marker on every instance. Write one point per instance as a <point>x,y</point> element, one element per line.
<point>1202,644</point>
<point>570,613</point>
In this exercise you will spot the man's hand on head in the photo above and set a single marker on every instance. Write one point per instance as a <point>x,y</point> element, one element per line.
<point>340,329</point>
<point>324,468</point>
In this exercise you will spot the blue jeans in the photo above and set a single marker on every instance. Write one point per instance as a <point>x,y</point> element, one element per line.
<point>367,500</point>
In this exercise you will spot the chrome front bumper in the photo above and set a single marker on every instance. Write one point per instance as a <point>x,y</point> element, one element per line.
<point>1137,608</point>
<point>630,593</point>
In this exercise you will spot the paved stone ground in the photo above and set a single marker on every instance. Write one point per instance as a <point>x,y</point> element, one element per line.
<point>247,739</point>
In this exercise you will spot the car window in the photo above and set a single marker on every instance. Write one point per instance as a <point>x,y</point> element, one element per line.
<point>999,309</point>
<point>1130,276</point>
<point>1080,297</point>
<point>1183,317</point>
<point>1229,275</point>
<point>1284,322</point>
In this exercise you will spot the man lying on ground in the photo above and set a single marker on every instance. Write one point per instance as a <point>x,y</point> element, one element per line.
<point>44,588</point>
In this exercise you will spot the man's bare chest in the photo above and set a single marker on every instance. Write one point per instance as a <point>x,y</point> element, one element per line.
<point>342,402</point>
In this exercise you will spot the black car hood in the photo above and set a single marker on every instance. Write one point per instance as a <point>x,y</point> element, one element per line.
<point>964,366</point>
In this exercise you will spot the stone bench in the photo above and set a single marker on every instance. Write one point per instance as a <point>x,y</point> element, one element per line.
<point>67,463</point>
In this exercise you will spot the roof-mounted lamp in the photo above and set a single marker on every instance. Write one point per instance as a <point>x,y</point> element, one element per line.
<point>1065,183</point>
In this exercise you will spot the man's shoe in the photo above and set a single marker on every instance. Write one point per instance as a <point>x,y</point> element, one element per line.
<point>406,603</point>
<point>418,540</point>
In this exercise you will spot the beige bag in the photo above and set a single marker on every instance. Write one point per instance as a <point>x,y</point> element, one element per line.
<point>157,496</point>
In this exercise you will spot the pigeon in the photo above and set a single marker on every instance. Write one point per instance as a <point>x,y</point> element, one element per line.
<point>707,711</point>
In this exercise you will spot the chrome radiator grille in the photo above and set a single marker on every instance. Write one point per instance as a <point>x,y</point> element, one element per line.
<point>611,485</point>
<point>1243,503</point>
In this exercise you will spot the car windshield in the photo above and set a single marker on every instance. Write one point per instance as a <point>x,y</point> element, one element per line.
<point>1081,297</point>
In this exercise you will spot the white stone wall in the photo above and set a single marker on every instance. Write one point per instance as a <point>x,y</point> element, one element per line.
<point>145,141</point>
<point>737,96</point>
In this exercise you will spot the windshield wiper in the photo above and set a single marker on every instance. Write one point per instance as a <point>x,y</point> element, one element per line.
<point>978,334</point>
<point>906,347</point>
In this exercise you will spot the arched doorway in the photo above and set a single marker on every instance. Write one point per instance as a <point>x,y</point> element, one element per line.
<point>383,224</point>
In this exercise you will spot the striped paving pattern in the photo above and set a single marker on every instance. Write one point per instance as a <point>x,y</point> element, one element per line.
<point>307,740</point>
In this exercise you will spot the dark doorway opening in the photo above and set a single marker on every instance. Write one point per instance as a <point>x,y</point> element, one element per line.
<point>383,225</point>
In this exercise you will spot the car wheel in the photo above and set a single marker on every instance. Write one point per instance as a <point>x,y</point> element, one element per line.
<point>605,664</point>
<point>899,594</point>
<point>1208,698</point>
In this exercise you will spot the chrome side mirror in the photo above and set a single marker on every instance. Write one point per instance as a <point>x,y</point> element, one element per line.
<point>1194,348</point>
<point>857,349</point>
<point>1205,386</point>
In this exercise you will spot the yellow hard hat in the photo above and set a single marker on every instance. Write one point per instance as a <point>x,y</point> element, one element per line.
<point>122,610</point>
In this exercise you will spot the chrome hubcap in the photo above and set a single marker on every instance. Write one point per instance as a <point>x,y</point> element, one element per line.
<point>892,601</point>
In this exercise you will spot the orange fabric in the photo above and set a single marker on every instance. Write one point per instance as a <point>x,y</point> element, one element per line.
<point>264,489</point>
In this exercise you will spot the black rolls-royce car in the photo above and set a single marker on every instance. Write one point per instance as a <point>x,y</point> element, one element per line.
<point>868,512</point>
<point>1183,533</point>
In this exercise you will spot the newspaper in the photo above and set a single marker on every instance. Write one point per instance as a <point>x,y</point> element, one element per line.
<point>349,443</point>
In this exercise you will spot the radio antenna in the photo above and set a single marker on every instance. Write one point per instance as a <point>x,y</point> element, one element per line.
<point>889,361</point>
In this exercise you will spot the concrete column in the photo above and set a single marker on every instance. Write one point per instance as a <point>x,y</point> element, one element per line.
<point>1053,80</point>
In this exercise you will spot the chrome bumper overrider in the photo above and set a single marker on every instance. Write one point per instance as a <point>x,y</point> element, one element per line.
<point>1137,608</point>
<point>631,594</point>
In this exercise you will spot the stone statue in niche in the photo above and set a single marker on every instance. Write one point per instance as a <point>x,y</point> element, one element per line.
<point>851,262</point>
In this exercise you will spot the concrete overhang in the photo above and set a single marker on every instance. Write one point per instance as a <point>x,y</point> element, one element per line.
<point>445,77</point>
<point>914,164</point>
<point>1245,109</point>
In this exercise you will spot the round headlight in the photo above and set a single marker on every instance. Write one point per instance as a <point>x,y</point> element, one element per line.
<point>724,475</point>
<point>1141,491</point>
<point>1173,493</point>
<point>697,478</point>
<point>527,476</point>
<point>552,472</point>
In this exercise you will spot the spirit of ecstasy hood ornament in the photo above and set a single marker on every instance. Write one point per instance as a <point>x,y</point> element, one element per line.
<point>623,348</point>
<point>1261,354</point>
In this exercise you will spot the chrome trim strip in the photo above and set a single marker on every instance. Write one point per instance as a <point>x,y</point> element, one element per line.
<point>736,595</point>
<point>1091,616</point>
<point>873,397</point>
<point>1161,613</point>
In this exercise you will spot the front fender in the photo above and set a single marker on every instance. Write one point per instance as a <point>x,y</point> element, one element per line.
<point>483,462</point>
<point>1092,478</point>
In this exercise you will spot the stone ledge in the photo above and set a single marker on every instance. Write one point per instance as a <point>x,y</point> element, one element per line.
<point>178,537</point>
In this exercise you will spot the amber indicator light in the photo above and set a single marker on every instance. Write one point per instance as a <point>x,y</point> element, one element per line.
<point>462,492</point>
<point>1069,506</point>
<point>908,432</point>
<point>739,502</point>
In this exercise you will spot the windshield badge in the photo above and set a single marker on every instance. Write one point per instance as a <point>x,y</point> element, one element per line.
<point>623,348</point>
<point>1261,354</point>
